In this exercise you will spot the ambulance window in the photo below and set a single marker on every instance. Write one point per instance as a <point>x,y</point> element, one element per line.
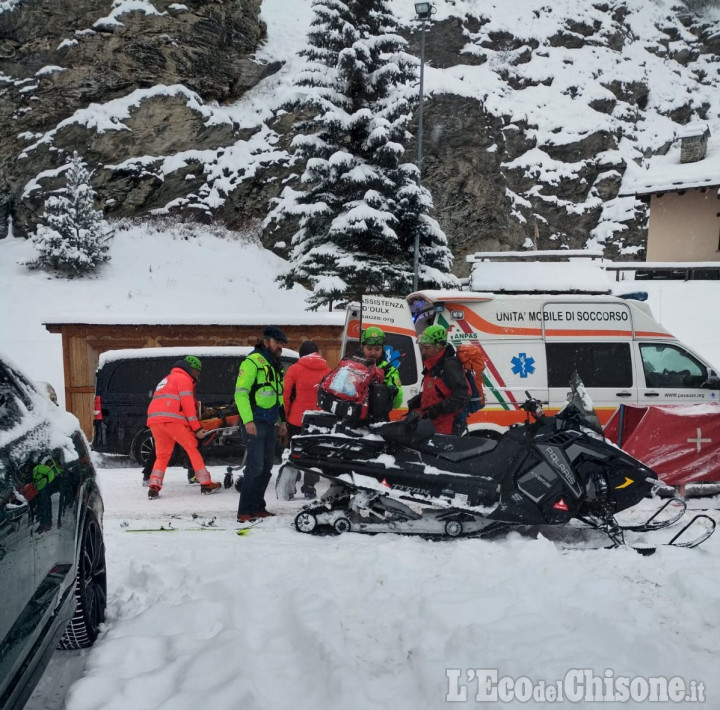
<point>598,364</point>
<point>399,350</point>
<point>670,366</point>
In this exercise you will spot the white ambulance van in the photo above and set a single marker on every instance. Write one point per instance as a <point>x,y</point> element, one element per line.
<point>533,342</point>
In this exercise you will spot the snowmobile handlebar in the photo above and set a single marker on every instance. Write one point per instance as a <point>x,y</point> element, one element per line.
<point>533,407</point>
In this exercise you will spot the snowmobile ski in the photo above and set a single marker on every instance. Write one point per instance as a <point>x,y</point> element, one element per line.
<point>656,521</point>
<point>680,539</point>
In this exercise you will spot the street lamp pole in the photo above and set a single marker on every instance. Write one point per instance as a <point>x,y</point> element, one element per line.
<point>423,11</point>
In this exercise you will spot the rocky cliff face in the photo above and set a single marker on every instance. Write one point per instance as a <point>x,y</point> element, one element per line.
<point>58,59</point>
<point>531,116</point>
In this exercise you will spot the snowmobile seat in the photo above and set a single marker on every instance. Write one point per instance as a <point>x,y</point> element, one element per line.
<point>410,431</point>
<point>456,448</point>
<point>318,419</point>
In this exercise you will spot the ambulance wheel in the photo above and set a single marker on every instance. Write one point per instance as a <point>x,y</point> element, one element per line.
<point>305,522</point>
<point>453,528</point>
<point>342,525</point>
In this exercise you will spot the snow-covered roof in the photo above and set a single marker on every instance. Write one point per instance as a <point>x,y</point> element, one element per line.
<point>435,295</point>
<point>201,352</point>
<point>539,277</point>
<point>665,173</point>
<point>535,254</point>
<point>207,318</point>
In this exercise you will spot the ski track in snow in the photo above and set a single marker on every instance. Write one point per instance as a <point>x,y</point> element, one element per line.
<point>279,619</point>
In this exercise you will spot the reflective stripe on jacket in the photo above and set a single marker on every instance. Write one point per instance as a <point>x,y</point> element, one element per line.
<point>174,400</point>
<point>259,389</point>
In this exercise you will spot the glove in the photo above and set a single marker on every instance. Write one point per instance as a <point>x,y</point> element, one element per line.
<point>432,412</point>
<point>201,434</point>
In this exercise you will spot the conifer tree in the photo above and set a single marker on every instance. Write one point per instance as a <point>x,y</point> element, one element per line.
<point>359,206</point>
<point>73,236</point>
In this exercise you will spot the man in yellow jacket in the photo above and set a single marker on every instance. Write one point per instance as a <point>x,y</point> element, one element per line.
<point>259,399</point>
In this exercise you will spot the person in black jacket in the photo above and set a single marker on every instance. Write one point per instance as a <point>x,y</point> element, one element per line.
<point>445,390</point>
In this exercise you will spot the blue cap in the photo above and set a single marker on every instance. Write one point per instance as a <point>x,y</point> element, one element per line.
<point>274,332</point>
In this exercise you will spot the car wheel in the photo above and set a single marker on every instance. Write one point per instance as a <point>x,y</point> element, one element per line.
<point>143,447</point>
<point>90,590</point>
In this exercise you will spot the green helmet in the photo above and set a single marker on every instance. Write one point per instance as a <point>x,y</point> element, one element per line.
<point>372,336</point>
<point>433,334</point>
<point>194,362</point>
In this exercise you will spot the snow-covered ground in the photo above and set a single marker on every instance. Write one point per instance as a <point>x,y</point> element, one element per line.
<point>276,619</point>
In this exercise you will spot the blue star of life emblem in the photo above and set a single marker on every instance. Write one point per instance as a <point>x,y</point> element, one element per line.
<point>523,365</point>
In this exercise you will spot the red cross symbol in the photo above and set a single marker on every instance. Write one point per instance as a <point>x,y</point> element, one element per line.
<point>699,440</point>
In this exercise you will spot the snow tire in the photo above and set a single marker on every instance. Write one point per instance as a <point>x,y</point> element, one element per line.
<point>90,590</point>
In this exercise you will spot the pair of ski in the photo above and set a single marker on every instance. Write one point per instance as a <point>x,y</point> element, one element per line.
<point>208,524</point>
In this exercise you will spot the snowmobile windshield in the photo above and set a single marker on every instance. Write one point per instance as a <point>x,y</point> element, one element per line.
<point>580,406</point>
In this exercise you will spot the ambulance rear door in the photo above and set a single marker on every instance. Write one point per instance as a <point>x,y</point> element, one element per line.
<point>394,317</point>
<point>508,331</point>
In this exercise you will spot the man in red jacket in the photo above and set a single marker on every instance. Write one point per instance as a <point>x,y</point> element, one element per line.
<point>172,417</point>
<point>300,395</point>
<point>445,390</point>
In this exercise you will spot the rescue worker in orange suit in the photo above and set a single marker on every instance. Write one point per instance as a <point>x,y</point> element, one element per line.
<point>300,395</point>
<point>172,417</point>
<point>445,391</point>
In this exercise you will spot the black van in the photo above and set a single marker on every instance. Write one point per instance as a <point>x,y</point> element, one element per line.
<point>126,380</point>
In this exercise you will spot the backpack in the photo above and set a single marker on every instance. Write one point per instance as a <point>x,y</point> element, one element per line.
<point>473,360</point>
<point>345,391</point>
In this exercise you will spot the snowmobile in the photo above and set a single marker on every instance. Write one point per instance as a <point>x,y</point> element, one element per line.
<point>402,477</point>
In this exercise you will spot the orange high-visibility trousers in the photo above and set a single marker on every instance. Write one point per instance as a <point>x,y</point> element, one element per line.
<point>166,435</point>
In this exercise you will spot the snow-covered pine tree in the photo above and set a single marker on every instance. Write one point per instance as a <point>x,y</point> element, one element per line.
<point>359,206</point>
<point>72,237</point>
